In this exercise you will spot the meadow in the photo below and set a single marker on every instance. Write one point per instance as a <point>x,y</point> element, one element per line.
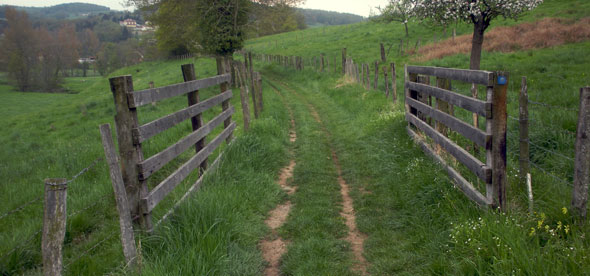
<point>415,221</point>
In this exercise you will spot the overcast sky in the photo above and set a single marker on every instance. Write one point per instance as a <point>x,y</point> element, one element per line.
<point>360,7</point>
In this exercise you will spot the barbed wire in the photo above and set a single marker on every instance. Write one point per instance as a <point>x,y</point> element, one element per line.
<point>23,206</point>
<point>551,174</point>
<point>539,167</point>
<point>83,171</point>
<point>31,237</point>
<point>108,237</point>
<point>538,124</point>
<point>99,200</point>
<point>20,208</point>
<point>553,106</point>
<point>550,151</point>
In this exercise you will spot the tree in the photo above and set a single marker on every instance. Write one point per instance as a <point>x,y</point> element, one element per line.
<point>19,49</point>
<point>272,17</point>
<point>399,11</point>
<point>480,13</point>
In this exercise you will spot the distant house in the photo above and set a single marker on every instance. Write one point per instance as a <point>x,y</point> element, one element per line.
<point>129,23</point>
<point>86,60</point>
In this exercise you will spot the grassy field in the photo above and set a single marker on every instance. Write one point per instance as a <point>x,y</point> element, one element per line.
<point>416,223</point>
<point>56,135</point>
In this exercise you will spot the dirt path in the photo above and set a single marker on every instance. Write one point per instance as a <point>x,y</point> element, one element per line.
<point>354,237</point>
<point>273,247</point>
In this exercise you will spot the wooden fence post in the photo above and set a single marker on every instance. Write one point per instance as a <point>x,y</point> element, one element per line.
<point>125,223</point>
<point>258,89</point>
<point>130,150</point>
<point>582,158</point>
<point>322,64</point>
<point>424,98</point>
<point>343,61</point>
<point>524,130</point>
<point>54,225</point>
<point>368,81</point>
<point>383,58</point>
<point>223,68</point>
<point>251,75</point>
<point>498,152</point>
<point>363,72</point>
<point>393,83</point>
<point>442,105</point>
<point>410,93</point>
<point>475,116</point>
<point>152,86</point>
<point>240,70</point>
<point>375,83</point>
<point>188,73</point>
<point>386,82</point>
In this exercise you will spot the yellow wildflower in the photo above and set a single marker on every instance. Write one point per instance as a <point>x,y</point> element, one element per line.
<point>532,231</point>
<point>567,229</point>
<point>559,225</point>
<point>564,210</point>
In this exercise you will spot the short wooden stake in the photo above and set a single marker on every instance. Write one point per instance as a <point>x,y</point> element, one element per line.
<point>125,223</point>
<point>54,225</point>
<point>582,158</point>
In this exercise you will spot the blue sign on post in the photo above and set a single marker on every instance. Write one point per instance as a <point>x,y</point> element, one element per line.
<point>501,80</point>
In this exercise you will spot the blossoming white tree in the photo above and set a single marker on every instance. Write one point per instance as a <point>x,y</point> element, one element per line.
<point>398,10</point>
<point>478,12</point>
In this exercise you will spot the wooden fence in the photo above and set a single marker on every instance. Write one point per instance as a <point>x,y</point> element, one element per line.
<point>435,121</point>
<point>135,170</point>
<point>350,69</point>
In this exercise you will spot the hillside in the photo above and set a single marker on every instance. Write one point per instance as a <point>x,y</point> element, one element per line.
<point>316,18</point>
<point>62,11</point>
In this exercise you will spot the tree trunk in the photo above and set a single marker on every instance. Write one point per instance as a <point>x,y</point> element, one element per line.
<point>407,33</point>
<point>477,44</point>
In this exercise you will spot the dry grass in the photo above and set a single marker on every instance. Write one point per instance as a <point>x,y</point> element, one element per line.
<point>545,33</point>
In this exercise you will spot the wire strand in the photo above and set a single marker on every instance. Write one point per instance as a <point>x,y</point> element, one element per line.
<point>20,208</point>
<point>83,171</point>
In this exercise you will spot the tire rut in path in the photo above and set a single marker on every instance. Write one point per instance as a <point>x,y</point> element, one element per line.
<point>354,237</point>
<point>273,247</point>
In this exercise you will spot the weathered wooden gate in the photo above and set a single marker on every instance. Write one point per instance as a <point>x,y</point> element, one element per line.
<point>130,135</point>
<point>434,119</point>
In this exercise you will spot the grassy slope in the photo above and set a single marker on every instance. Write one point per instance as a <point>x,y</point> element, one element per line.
<point>56,135</point>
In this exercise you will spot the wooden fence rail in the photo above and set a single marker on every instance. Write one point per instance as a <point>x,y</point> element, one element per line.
<point>135,169</point>
<point>434,122</point>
